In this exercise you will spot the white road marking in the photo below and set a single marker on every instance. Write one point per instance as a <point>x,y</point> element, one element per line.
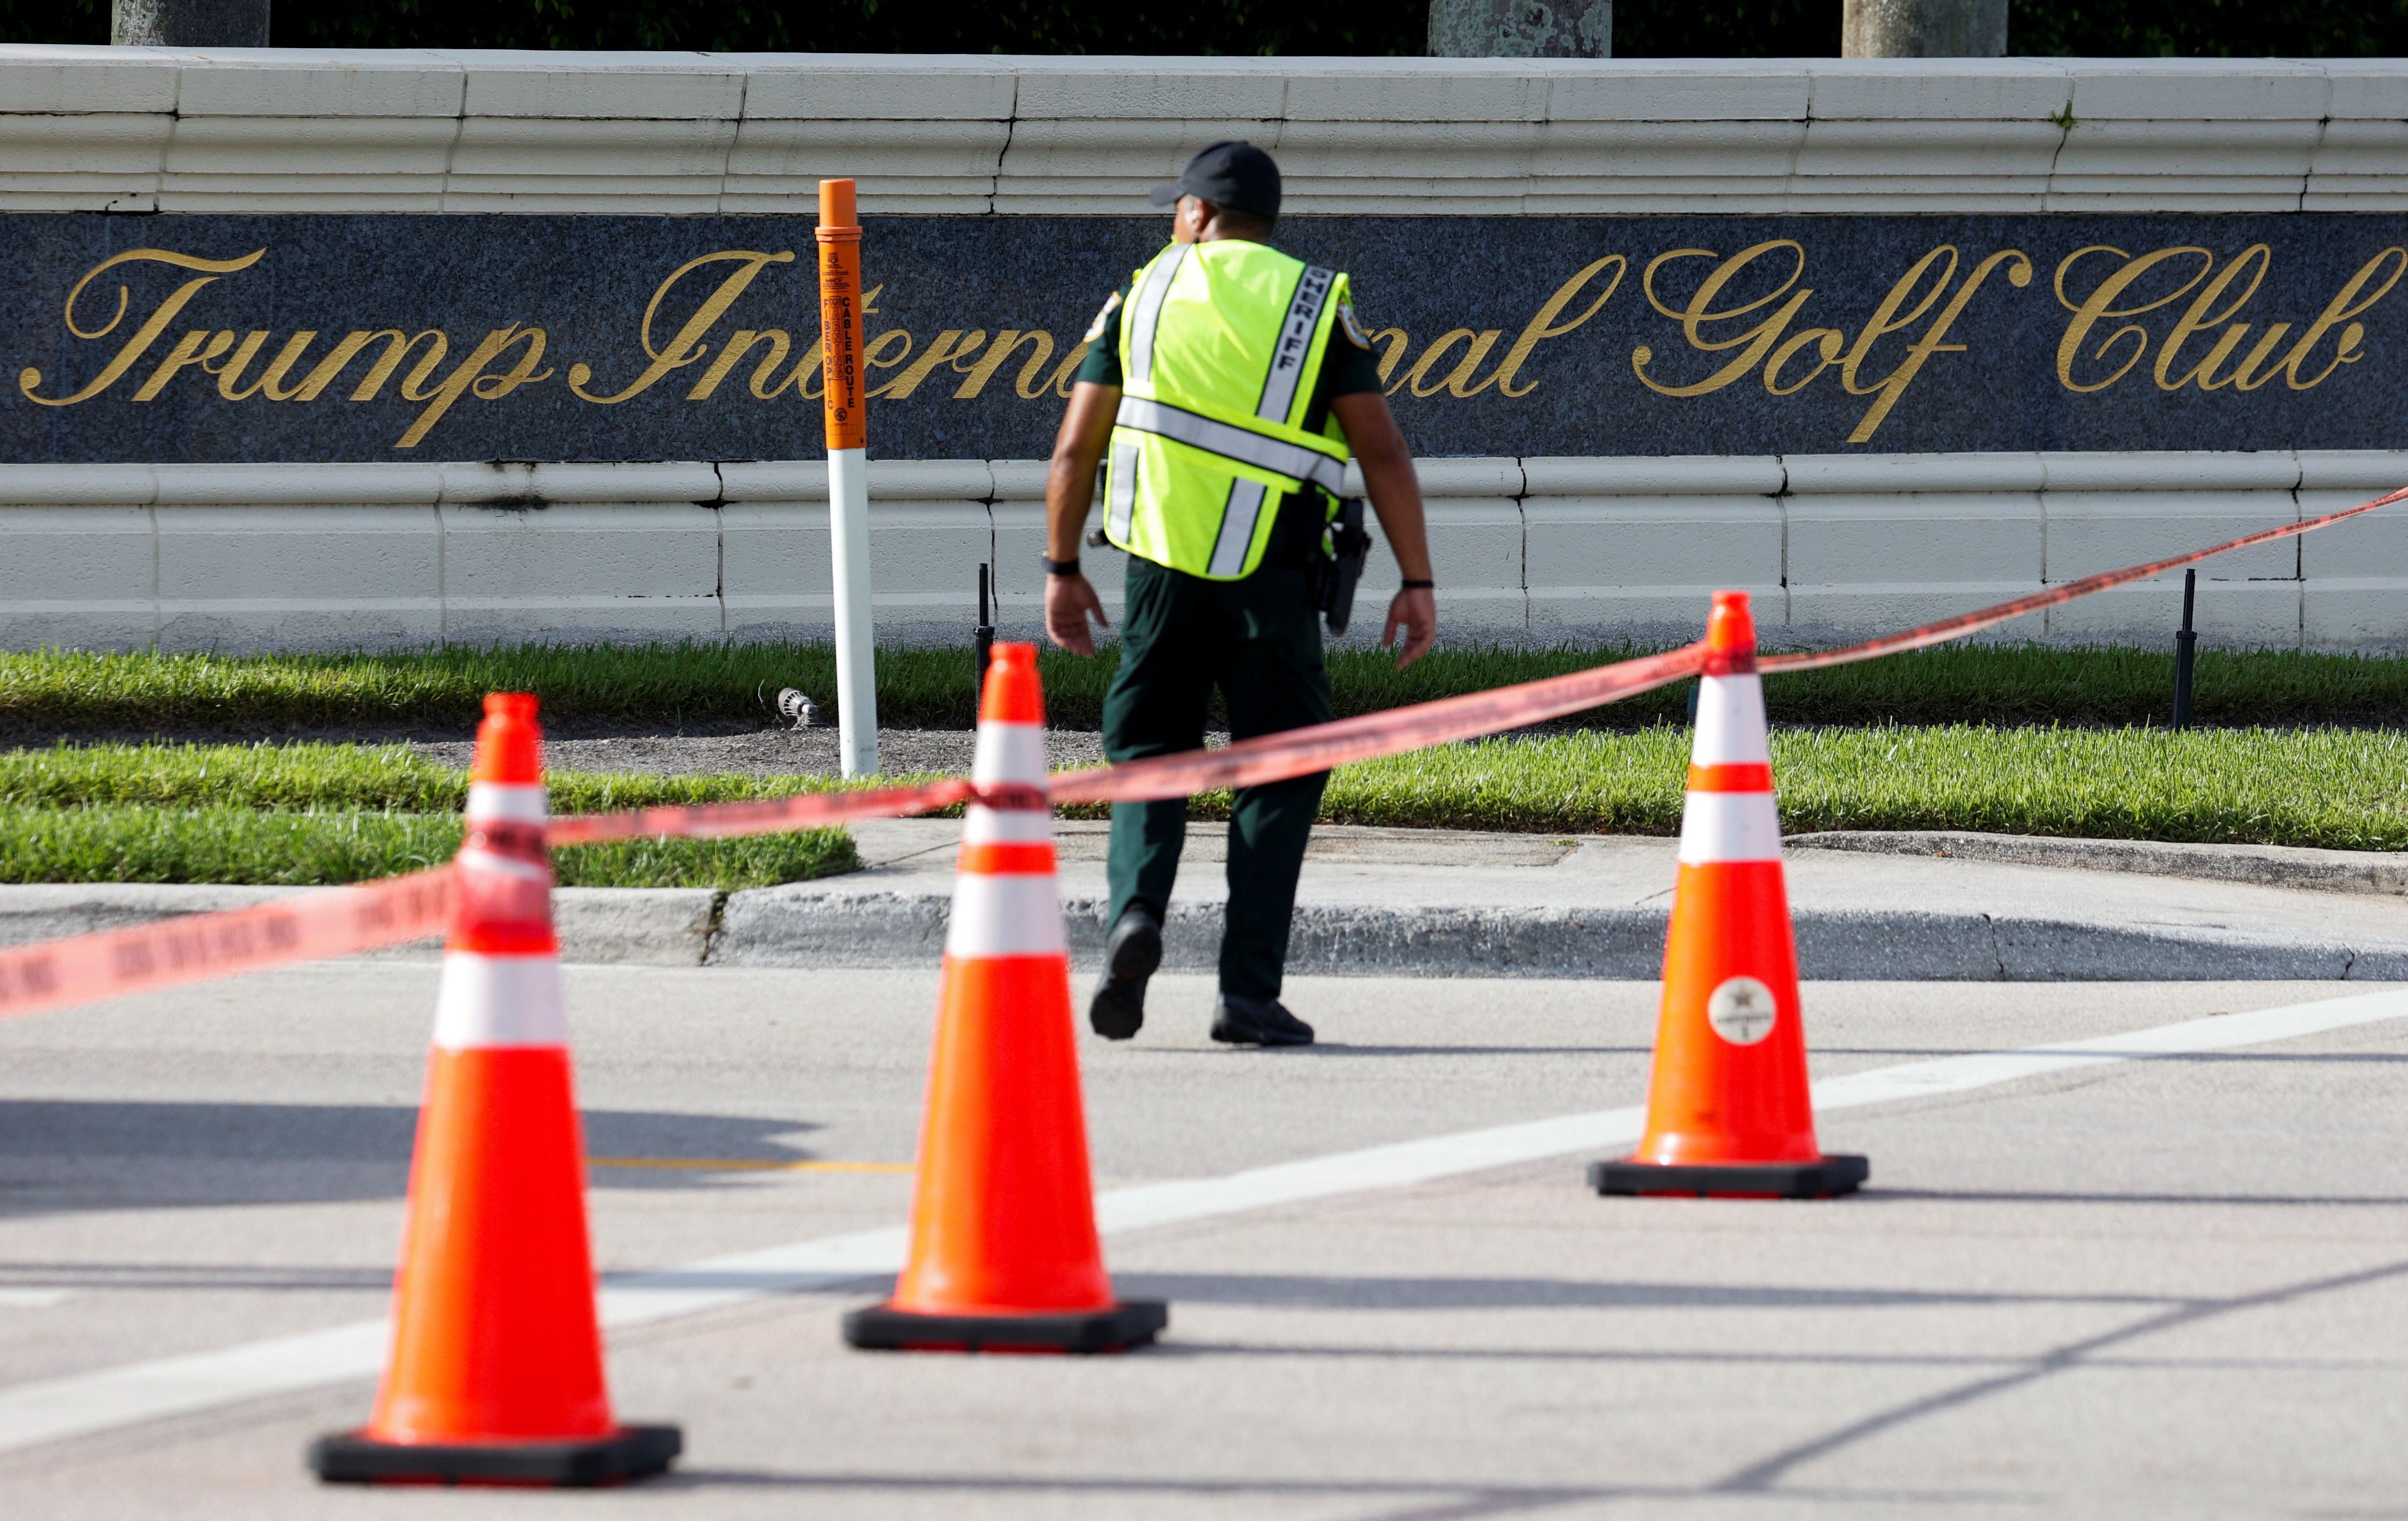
<point>33,1298</point>
<point>84,1403</point>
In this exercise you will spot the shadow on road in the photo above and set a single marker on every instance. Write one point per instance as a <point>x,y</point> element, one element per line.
<point>63,1156</point>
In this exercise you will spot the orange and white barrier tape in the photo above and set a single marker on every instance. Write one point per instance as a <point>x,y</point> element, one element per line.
<point>339,921</point>
<point>330,922</point>
<point>1974,622</point>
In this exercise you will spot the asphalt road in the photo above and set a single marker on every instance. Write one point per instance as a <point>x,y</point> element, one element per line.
<point>2171,1287</point>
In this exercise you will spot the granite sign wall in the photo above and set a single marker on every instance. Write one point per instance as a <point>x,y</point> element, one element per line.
<point>288,338</point>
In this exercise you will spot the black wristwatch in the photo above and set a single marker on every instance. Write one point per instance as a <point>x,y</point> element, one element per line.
<point>1060,568</point>
<point>1417,586</point>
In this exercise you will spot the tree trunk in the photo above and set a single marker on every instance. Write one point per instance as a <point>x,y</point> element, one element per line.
<point>1521,28</point>
<point>1923,29</point>
<point>188,23</point>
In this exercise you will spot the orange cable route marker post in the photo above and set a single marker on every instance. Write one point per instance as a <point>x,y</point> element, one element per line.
<point>1728,1112</point>
<point>845,406</point>
<point>1005,1256</point>
<point>496,1375</point>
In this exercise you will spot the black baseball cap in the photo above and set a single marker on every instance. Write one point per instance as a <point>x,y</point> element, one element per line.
<point>1237,175</point>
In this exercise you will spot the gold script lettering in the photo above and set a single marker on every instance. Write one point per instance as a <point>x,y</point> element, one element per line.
<point>2198,318</point>
<point>2100,304</point>
<point>156,324</point>
<point>197,347</point>
<point>2341,308</point>
<point>950,344</point>
<point>687,346</point>
<point>470,373</point>
<point>1894,384</point>
<point>739,343</point>
<point>1455,381</point>
<point>1699,310</point>
<point>1542,326</point>
<point>1041,350</point>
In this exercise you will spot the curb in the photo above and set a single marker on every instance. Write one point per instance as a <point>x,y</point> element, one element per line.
<point>641,927</point>
<point>839,923</point>
<point>2383,873</point>
<point>834,925</point>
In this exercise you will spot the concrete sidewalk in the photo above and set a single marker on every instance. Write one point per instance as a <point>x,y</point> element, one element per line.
<point>1458,903</point>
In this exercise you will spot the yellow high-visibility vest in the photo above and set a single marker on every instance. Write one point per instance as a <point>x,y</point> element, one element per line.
<point>1221,346</point>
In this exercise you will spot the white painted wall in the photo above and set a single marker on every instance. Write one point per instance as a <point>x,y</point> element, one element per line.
<point>1534,549</point>
<point>1525,549</point>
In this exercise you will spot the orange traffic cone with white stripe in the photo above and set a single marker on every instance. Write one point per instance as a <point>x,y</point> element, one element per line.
<point>1004,1251</point>
<point>496,1375</point>
<point>1728,1112</point>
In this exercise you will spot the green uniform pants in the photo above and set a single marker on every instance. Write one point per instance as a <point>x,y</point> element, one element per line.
<point>1259,642</point>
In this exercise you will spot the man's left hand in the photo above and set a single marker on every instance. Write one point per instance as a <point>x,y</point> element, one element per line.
<point>1415,611</point>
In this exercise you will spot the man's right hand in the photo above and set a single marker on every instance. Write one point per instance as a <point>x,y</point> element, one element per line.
<point>1070,602</point>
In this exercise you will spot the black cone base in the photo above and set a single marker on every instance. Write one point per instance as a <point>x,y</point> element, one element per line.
<point>632,1452</point>
<point>1132,1323</point>
<point>1825,1178</point>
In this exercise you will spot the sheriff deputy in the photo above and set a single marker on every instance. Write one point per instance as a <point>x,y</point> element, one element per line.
<point>1224,387</point>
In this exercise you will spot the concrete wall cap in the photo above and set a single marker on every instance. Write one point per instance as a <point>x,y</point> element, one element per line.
<point>2374,471</point>
<point>67,79</point>
<point>773,481</point>
<point>78,485</point>
<point>1019,479</point>
<point>1675,90</point>
<point>2184,88</point>
<point>1940,89</point>
<point>1415,90</point>
<point>917,480</point>
<point>1238,91</point>
<point>1473,477</point>
<point>296,485</point>
<point>1677,475</point>
<point>858,87</point>
<point>349,84</point>
<point>1811,474</point>
<point>648,482</point>
<point>2366,89</point>
<point>2273,470</point>
<point>644,89</point>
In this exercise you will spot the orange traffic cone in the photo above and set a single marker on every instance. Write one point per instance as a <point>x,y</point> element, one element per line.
<point>496,1369</point>
<point>1728,1113</point>
<point>1004,1253</point>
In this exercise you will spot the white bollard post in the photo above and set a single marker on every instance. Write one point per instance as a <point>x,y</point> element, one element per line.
<point>844,407</point>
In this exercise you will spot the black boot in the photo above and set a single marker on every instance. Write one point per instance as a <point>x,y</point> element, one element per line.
<point>1242,1020</point>
<point>1131,953</point>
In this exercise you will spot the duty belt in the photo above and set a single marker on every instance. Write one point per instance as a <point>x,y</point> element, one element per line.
<point>1231,443</point>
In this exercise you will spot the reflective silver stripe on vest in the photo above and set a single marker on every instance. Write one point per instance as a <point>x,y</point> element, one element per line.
<point>1276,455</point>
<point>1120,512</point>
<point>1295,343</point>
<point>1236,528</point>
<point>1145,313</point>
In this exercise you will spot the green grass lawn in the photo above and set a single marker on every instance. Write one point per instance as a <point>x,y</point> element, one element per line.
<point>690,683</point>
<point>304,814</point>
<point>307,815</point>
<point>2338,788</point>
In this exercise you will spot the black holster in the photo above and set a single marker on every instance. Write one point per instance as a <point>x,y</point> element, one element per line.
<point>1337,564</point>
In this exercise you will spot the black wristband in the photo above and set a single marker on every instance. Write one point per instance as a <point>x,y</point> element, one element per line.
<point>1417,586</point>
<point>1060,568</point>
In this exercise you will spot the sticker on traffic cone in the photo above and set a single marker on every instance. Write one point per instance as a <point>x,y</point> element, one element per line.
<point>496,1375</point>
<point>1728,1113</point>
<point>1004,1252</point>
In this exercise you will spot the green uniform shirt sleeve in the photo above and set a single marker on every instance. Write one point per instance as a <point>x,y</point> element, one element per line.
<point>1102,365</point>
<point>1350,369</point>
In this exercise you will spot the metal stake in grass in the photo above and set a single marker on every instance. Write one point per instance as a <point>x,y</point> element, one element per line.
<point>983,635</point>
<point>2185,652</point>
